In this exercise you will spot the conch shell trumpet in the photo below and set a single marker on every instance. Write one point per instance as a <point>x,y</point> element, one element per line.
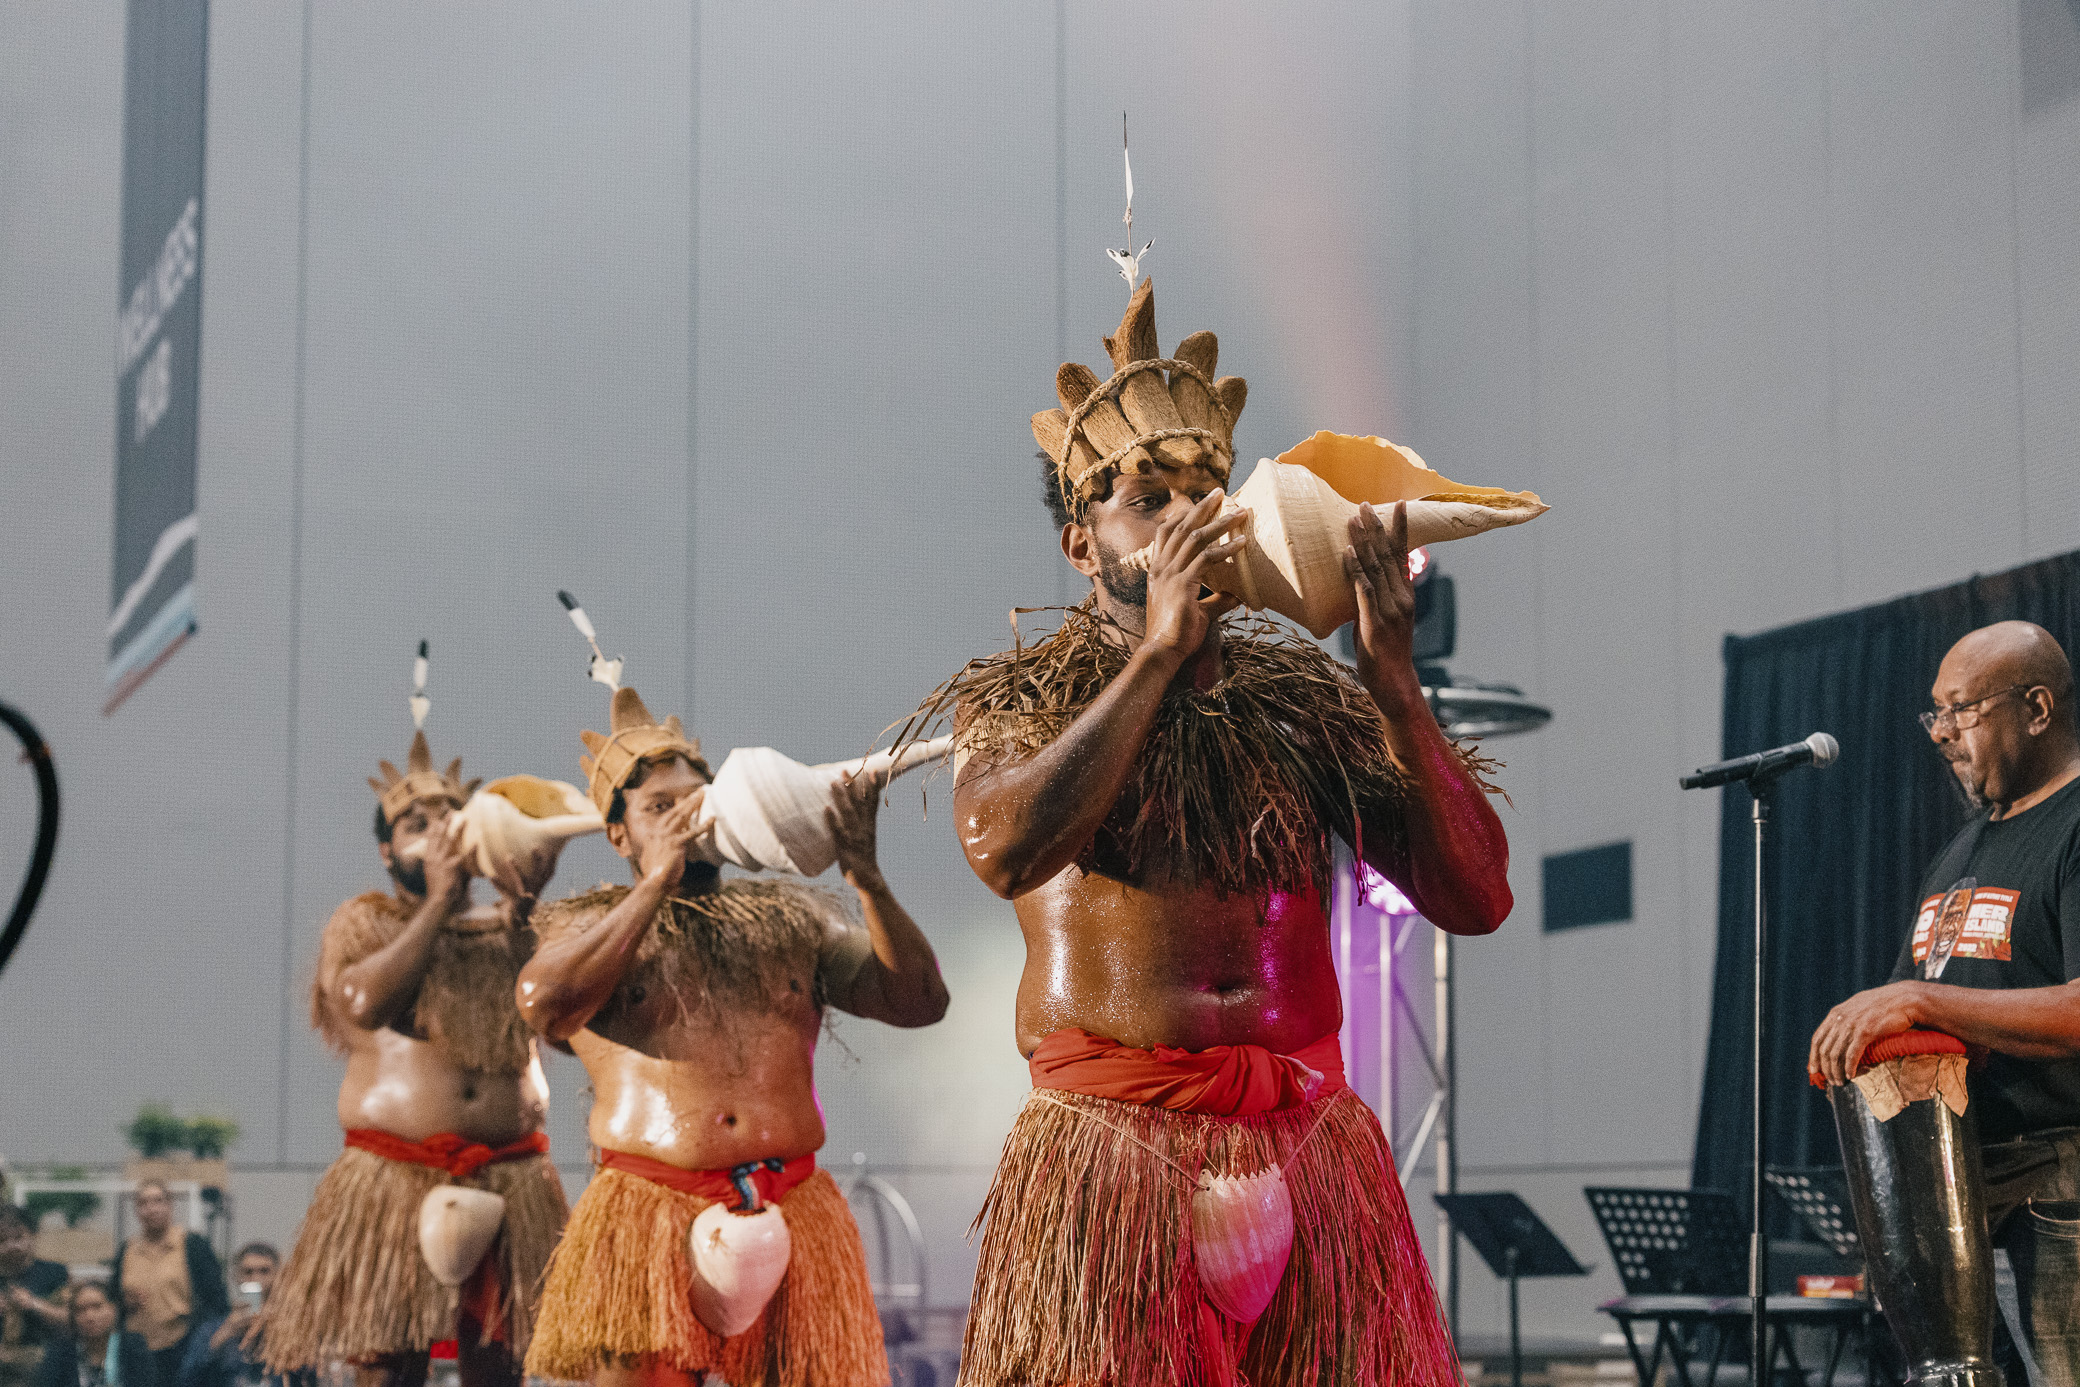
<point>457,1225</point>
<point>739,1260</point>
<point>1242,1236</point>
<point>509,821</point>
<point>1300,507</point>
<point>769,808</point>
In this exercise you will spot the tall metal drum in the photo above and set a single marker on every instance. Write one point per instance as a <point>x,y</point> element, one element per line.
<point>1910,1149</point>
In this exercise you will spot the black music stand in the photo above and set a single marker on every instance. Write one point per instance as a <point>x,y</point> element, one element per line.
<point>1819,1195</point>
<point>1514,1243</point>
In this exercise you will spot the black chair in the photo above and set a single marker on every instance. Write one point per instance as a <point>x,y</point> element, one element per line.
<point>1681,1255</point>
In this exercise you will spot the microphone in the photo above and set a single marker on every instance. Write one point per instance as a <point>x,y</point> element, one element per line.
<point>1817,750</point>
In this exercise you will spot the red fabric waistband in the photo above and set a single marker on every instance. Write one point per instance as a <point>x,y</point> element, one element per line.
<point>719,1185</point>
<point>457,1155</point>
<point>1222,1080</point>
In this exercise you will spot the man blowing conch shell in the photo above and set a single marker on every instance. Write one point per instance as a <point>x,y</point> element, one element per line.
<point>695,1005</point>
<point>443,1086</point>
<point>1191,1191</point>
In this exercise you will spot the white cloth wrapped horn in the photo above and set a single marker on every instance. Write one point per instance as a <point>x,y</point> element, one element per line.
<point>457,1225</point>
<point>1301,503</point>
<point>510,820</point>
<point>769,808</point>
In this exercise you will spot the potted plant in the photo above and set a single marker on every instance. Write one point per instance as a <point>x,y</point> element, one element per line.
<point>168,1148</point>
<point>72,1245</point>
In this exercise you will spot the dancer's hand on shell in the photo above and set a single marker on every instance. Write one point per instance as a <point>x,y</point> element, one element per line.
<point>1186,549</point>
<point>447,864</point>
<point>665,853</point>
<point>853,819</point>
<point>1376,562</point>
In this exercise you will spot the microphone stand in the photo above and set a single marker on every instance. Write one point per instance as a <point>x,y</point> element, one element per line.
<point>1759,772</point>
<point>1759,787</point>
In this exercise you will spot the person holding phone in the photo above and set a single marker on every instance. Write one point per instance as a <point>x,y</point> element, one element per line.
<point>231,1351</point>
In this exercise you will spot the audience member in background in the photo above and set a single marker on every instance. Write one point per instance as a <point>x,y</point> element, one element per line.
<point>32,1299</point>
<point>229,1352</point>
<point>93,1351</point>
<point>166,1280</point>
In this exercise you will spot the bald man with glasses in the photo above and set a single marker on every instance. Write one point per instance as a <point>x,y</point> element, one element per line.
<point>2004,720</point>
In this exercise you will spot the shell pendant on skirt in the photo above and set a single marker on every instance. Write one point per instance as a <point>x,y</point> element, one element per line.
<point>739,1260</point>
<point>457,1226</point>
<point>1242,1237</point>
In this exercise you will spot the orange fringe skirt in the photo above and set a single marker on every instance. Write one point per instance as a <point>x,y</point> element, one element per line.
<point>620,1290</point>
<point>356,1286</point>
<point>1086,1273</point>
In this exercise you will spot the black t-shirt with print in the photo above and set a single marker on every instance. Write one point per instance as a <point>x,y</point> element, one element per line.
<point>2023,931</point>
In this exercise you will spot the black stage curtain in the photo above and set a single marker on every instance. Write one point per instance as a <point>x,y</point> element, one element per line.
<point>1848,844</point>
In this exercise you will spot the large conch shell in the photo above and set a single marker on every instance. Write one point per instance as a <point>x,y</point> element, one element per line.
<point>510,820</point>
<point>1300,507</point>
<point>1242,1236</point>
<point>769,808</point>
<point>739,1260</point>
<point>457,1225</point>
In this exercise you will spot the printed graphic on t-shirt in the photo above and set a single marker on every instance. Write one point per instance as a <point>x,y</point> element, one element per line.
<point>1986,928</point>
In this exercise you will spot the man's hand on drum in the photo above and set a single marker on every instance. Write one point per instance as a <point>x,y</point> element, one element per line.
<point>1866,1017</point>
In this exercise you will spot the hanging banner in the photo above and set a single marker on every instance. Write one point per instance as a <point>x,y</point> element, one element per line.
<point>158,341</point>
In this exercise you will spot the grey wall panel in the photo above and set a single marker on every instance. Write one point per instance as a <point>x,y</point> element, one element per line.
<point>2047,292</point>
<point>1609,577</point>
<point>1922,205</point>
<point>1753,432</point>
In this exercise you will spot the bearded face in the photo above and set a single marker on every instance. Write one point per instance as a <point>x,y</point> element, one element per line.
<point>405,854</point>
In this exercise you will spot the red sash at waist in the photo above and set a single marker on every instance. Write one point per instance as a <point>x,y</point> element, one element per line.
<point>457,1155</point>
<point>1221,1080</point>
<point>721,1186</point>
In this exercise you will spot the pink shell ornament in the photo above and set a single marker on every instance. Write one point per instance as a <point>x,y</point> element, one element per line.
<point>457,1226</point>
<point>739,1260</point>
<point>1242,1237</point>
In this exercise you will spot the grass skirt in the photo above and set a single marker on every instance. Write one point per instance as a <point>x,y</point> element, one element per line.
<point>620,1290</point>
<point>1087,1277</point>
<point>356,1285</point>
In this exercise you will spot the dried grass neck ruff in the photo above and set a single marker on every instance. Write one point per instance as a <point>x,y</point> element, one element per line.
<point>1239,787</point>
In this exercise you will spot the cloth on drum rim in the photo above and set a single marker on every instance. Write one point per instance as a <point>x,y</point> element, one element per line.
<point>620,1289</point>
<point>1899,1045</point>
<point>1087,1273</point>
<point>1222,1080</point>
<point>356,1285</point>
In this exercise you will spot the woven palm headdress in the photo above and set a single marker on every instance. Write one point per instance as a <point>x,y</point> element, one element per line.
<point>1153,409</point>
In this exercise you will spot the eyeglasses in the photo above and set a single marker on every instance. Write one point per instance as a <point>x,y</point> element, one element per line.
<point>1968,713</point>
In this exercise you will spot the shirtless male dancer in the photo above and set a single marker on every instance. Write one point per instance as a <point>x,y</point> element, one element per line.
<point>695,1005</point>
<point>1156,789</point>
<point>443,1086</point>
